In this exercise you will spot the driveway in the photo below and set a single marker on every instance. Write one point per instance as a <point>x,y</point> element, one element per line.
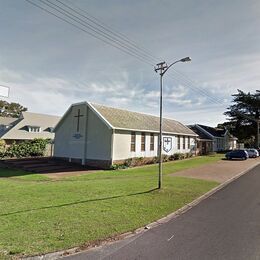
<point>220,171</point>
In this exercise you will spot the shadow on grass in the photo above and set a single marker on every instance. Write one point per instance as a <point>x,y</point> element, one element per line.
<point>8,173</point>
<point>78,202</point>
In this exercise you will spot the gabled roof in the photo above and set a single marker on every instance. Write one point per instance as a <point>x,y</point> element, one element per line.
<point>127,120</point>
<point>7,120</point>
<point>202,135</point>
<point>216,132</point>
<point>20,130</point>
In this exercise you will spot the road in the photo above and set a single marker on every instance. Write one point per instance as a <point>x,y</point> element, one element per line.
<point>224,226</point>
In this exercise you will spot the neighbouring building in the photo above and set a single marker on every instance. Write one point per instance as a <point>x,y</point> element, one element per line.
<point>211,139</point>
<point>100,136</point>
<point>27,127</point>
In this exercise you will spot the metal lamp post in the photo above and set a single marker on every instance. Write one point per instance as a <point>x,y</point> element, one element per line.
<point>163,67</point>
<point>258,125</point>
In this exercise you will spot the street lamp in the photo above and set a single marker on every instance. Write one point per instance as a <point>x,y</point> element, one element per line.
<point>258,125</point>
<point>163,67</point>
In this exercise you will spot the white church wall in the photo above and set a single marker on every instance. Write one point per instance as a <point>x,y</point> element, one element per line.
<point>87,137</point>
<point>70,136</point>
<point>98,138</point>
<point>122,145</point>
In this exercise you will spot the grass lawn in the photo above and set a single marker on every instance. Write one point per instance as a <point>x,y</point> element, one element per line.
<point>40,215</point>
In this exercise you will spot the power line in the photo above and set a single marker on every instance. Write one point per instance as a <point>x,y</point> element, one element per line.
<point>182,76</point>
<point>105,27</point>
<point>91,27</point>
<point>92,34</point>
<point>115,42</point>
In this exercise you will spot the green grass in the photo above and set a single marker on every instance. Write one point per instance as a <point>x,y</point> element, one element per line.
<point>40,215</point>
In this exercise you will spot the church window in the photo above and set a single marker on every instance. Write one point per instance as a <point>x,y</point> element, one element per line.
<point>152,142</point>
<point>133,142</point>
<point>143,142</point>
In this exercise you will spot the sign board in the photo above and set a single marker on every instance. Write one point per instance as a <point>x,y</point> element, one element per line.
<point>167,144</point>
<point>4,91</point>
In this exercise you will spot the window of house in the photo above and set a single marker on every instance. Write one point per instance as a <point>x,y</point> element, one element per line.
<point>188,142</point>
<point>34,129</point>
<point>183,144</point>
<point>179,142</point>
<point>133,142</point>
<point>143,142</point>
<point>152,142</point>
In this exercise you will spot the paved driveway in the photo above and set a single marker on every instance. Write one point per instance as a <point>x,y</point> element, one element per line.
<point>220,171</point>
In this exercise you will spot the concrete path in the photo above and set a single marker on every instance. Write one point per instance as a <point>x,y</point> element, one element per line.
<point>220,171</point>
<point>226,225</point>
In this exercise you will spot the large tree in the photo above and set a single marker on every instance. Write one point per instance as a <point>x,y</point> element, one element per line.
<point>11,109</point>
<point>244,115</point>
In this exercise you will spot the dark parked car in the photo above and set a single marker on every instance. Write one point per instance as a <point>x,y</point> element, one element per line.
<point>237,154</point>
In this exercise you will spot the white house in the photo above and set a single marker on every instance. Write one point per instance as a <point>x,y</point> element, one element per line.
<point>100,136</point>
<point>27,127</point>
<point>221,139</point>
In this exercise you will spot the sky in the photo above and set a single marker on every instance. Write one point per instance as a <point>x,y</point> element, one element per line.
<point>49,64</point>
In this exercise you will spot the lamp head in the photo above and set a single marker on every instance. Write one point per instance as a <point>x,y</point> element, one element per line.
<point>185,59</point>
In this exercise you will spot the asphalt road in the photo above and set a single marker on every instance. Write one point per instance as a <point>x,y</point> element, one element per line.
<point>224,226</point>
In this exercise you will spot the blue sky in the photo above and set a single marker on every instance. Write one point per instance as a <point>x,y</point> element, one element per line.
<point>49,64</point>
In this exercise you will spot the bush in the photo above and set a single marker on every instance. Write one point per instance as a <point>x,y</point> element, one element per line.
<point>188,155</point>
<point>165,157</point>
<point>30,148</point>
<point>2,148</point>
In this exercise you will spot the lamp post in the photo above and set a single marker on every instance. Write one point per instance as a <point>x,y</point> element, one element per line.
<point>258,125</point>
<point>163,67</point>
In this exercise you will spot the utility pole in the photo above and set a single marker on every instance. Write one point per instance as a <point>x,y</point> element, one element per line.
<point>258,123</point>
<point>162,67</point>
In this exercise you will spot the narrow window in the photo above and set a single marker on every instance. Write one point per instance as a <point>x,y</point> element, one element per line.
<point>188,142</point>
<point>179,142</point>
<point>132,141</point>
<point>143,142</point>
<point>152,142</point>
<point>183,144</point>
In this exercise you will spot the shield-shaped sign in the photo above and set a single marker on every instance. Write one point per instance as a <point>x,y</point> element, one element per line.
<point>167,144</point>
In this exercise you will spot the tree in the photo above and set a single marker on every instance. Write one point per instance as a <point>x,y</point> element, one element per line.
<point>244,116</point>
<point>11,109</point>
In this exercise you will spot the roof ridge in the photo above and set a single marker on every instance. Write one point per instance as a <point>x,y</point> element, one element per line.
<point>40,114</point>
<point>131,111</point>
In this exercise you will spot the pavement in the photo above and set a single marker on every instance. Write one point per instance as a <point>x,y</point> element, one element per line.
<point>219,171</point>
<point>225,225</point>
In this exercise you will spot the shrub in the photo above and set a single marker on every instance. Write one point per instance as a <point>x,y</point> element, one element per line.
<point>188,155</point>
<point>2,148</point>
<point>165,158</point>
<point>30,148</point>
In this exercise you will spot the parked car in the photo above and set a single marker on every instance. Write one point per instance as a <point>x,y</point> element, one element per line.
<point>252,153</point>
<point>237,154</point>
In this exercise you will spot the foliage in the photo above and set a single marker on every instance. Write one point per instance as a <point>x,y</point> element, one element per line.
<point>178,156</point>
<point>2,147</point>
<point>139,161</point>
<point>29,148</point>
<point>243,115</point>
<point>11,109</point>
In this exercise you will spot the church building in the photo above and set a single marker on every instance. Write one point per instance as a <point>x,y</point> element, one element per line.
<point>97,135</point>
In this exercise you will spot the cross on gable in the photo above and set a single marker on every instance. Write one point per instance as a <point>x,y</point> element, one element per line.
<point>78,116</point>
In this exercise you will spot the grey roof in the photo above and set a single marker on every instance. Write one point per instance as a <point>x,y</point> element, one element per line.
<point>7,120</point>
<point>123,119</point>
<point>20,130</point>
<point>217,132</point>
<point>202,135</point>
